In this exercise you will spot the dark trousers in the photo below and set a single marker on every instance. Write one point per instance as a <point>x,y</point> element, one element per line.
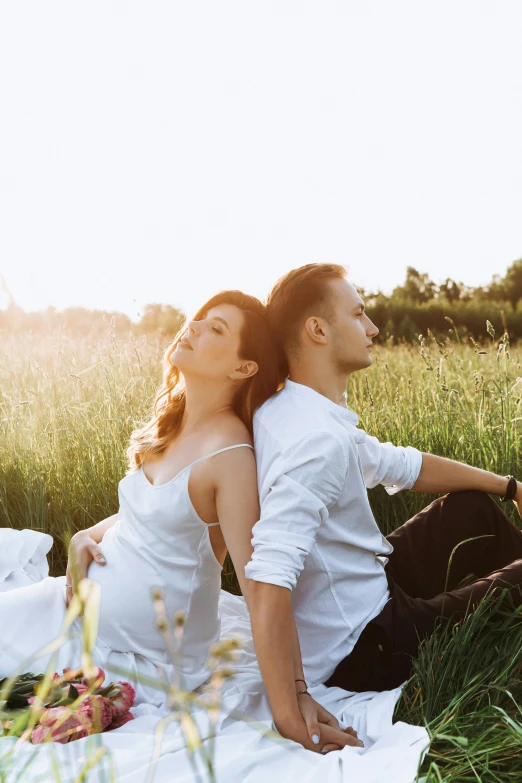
<point>424,584</point>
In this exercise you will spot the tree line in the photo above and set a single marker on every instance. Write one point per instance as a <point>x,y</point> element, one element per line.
<point>161,319</point>
<point>420,304</point>
<point>413,308</point>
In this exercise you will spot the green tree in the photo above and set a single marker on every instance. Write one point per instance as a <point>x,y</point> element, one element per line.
<point>451,290</point>
<point>418,288</point>
<point>407,329</point>
<point>513,283</point>
<point>162,318</point>
<point>496,290</point>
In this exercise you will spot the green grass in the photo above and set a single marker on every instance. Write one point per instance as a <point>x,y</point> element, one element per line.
<point>67,407</point>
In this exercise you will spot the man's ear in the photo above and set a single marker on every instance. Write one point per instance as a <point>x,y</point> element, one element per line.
<point>315,330</point>
<point>244,370</point>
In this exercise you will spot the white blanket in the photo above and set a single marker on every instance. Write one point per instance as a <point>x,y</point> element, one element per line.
<point>241,753</point>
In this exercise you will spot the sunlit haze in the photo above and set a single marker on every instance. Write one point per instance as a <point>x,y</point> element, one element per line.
<point>159,152</point>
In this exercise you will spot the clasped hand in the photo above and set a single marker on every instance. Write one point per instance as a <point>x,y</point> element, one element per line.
<point>316,729</point>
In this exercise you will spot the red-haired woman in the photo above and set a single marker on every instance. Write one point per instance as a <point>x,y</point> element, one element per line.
<point>190,495</point>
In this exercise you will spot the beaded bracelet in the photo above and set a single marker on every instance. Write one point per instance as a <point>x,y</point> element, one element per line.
<point>305,692</point>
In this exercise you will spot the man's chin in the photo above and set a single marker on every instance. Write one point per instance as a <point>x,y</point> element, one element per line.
<point>366,362</point>
<point>362,364</point>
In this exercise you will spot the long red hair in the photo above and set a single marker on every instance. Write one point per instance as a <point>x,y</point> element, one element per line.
<point>257,344</point>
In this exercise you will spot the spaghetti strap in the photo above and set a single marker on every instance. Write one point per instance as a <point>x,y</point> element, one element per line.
<point>188,467</point>
<point>219,451</point>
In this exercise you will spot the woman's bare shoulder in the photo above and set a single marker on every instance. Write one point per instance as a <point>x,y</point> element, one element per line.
<point>229,430</point>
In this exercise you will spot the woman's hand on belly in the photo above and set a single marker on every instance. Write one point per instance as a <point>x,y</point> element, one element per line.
<point>82,551</point>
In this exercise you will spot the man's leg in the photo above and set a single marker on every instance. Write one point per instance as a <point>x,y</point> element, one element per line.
<point>383,655</point>
<point>423,590</point>
<point>433,553</point>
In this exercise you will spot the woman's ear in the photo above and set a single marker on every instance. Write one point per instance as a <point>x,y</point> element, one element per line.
<point>244,370</point>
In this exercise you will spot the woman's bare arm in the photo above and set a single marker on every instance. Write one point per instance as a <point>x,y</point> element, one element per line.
<point>96,532</point>
<point>83,549</point>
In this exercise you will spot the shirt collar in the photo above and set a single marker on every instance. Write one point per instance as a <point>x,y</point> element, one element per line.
<point>313,395</point>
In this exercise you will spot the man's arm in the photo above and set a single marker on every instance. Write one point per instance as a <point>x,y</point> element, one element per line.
<point>395,467</point>
<point>237,513</point>
<point>304,482</point>
<point>404,467</point>
<point>440,475</point>
<point>277,648</point>
<point>272,628</point>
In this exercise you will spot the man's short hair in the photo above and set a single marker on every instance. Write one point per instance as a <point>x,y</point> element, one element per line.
<point>296,296</point>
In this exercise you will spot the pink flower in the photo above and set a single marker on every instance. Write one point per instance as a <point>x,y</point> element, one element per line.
<point>94,714</point>
<point>98,678</point>
<point>98,710</point>
<point>61,725</point>
<point>39,734</point>
<point>122,696</point>
<point>51,715</point>
<point>71,674</point>
<point>120,721</point>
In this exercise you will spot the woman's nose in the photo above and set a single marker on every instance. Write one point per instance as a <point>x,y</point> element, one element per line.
<point>192,327</point>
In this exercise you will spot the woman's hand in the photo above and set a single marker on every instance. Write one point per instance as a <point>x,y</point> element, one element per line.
<point>82,551</point>
<point>306,727</point>
<point>322,725</point>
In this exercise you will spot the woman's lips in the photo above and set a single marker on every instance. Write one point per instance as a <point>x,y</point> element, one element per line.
<point>185,344</point>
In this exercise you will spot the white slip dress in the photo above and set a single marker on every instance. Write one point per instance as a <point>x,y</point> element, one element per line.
<point>158,541</point>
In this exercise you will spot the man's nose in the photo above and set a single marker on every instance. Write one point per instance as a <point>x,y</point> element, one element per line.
<point>373,330</point>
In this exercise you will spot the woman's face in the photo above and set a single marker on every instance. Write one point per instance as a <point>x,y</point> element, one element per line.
<point>210,346</point>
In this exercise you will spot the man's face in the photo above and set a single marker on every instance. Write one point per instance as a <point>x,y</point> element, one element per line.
<point>350,331</point>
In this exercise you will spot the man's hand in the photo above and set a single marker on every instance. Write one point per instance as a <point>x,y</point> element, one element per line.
<point>517,500</point>
<point>323,725</point>
<point>82,551</point>
<point>316,729</point>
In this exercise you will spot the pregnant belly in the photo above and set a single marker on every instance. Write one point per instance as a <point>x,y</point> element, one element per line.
<point>127,617</point>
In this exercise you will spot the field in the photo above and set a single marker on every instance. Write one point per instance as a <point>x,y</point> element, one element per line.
<point>68,405</point>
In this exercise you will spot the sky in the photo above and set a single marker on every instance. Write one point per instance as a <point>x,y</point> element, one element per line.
<point>161,151</point>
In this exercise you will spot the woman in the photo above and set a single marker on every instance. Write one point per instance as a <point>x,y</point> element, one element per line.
<point>190,495</point>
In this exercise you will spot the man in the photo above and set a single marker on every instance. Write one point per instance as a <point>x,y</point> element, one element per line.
<point>361,602</point>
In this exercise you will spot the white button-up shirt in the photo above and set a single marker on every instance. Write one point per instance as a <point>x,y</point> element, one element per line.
<point>317,535</point>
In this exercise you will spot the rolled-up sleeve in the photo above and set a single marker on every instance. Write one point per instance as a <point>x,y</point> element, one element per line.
<point>396,467</point>
<point>298,490</point>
